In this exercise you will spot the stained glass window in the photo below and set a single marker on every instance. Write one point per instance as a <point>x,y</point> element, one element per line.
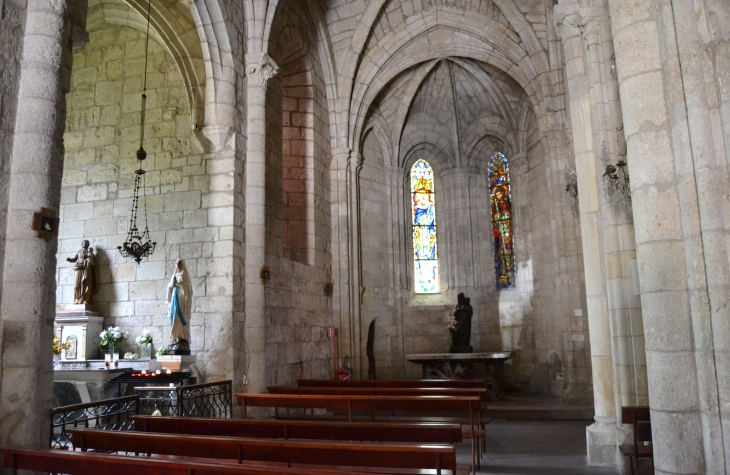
<point>425,256</point>
<point>501,201</point>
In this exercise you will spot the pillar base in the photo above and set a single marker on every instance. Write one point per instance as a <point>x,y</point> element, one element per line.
<point>601,442</point>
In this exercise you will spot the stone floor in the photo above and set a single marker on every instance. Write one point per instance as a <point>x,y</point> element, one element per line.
<point>545,447</point>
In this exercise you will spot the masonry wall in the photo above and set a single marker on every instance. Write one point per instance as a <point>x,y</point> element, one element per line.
<point>102,136</point>
<point>298,312</point>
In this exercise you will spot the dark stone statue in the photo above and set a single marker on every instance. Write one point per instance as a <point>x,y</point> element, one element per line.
<point>460,339</point>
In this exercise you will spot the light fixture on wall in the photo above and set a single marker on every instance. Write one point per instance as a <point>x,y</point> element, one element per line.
<point>139,246</point>
<point>616,177</point>
<point>571,188</point>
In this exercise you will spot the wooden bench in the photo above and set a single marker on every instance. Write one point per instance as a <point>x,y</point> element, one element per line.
<point>402,383</point>
<point>481,393</point>
<point>399,456</point>
<point>349,404</point>
<point>639,417</point>
<point>423,432</point>
<point>90,463</point>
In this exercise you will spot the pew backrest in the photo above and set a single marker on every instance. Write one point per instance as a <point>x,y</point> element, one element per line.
<point>90,463</point>
<point>301,429</point>
<point>416,456</point>
<point>470,406</point>
<point>403,383</point>
<point>481,393</point>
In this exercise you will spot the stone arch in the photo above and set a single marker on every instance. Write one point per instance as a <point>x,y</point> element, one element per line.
<point>373,9</point>
<point>173,27</point>
<point>486,126</point>
<point>215,34</point>
<point>492,47</point>
<point>437,153</point>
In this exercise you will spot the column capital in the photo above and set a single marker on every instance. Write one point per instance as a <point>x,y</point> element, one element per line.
<point>341,157</point>
<point>567,20</point>
<point>260,68</point>
<point>590,28</point>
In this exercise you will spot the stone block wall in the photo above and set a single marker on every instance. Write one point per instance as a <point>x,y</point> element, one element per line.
<point>298,312</point>
<point>187,204</point>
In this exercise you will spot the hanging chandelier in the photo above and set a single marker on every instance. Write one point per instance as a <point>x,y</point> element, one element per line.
<point>139,246</point>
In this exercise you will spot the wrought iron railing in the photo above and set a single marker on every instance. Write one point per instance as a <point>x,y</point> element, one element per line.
<point>107,414</point>
<point>199,400</point>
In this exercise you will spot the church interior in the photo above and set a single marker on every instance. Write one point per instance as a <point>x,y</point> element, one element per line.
<point>322,178</point>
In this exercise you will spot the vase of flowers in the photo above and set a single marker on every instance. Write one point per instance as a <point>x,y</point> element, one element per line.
<point>58,347</point>
<point>111,337</point>
<point>144,340</point>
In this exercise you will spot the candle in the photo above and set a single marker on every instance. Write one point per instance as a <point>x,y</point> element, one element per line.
<point>116,359</point>
<point>169,371</point>
<point>158,372</point>
<point>107,359</point>
<point>144,371</point>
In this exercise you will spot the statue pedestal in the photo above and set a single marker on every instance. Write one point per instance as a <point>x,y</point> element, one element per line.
<point>176,362</point>
<point>79,325</point>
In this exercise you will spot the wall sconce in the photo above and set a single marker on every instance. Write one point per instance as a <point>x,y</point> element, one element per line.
<point>571,188</point>
<point>616,177</point>
<point>614,71</point>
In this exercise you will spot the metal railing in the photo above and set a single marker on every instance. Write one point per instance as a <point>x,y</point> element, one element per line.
<point>107,414</point>
<point>199,400</point>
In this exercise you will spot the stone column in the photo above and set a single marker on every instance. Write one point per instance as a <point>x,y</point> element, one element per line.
<point>341,258</point>
<point>679,186</point>
<point>259,69</point>
<point>601,435</point>
<point>28,299</point>
<point>454,211</point>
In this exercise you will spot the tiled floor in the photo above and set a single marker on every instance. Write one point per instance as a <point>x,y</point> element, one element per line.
<point>545,447</point>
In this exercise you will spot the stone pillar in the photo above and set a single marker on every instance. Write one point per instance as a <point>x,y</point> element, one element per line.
<point>259,69</point>
<point>340,253</point>
<point>600,435</point>
<point>679,190</point>
<point>456,215</point>
<point>28,299</point>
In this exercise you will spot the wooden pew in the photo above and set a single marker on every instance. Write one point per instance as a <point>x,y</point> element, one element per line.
<point>423,432</point>
<point>481,393</point>
<point>402,383</point>
<point>639,417</point>
<point>400,456</point>
<point>352,404</point>
<point>89,463</point>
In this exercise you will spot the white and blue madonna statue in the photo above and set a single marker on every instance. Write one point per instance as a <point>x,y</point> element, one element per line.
<point>179,301</point>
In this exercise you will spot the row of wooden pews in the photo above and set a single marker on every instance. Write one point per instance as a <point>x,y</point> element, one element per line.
<point>383,442</point>
<point>431,401</point>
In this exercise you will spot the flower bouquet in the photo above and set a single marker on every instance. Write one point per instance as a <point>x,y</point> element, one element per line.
<point>111,337</point>
<point>453,324</point>
<point>58,347</point>
<point>144,340</point>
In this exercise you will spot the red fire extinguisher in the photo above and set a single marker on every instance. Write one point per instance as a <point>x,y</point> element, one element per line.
<point>344,372</point>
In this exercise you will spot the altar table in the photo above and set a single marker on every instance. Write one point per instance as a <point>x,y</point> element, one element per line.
<point>492,361</point>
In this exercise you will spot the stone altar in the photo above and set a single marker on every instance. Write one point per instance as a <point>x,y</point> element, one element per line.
<point>493,362</point>
<point>79,325</point>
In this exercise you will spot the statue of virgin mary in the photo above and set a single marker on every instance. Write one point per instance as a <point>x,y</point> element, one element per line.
<point>179,301</point>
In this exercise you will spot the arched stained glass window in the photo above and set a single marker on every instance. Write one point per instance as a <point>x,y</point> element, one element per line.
<point>425,256</point>
<point>501,201</point>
